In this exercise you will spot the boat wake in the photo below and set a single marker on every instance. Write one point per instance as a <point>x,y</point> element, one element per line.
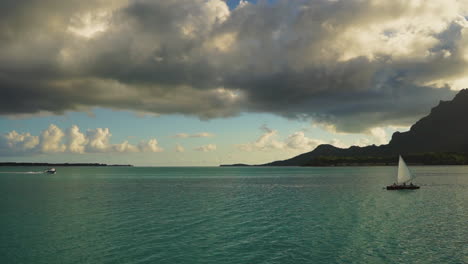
<point>22,172</point>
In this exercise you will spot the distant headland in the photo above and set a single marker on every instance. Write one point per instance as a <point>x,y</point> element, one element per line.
<point>38,164</point>
<point>440,138</point>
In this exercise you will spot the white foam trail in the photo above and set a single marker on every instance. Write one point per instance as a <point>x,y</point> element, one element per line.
<point>22,172</point>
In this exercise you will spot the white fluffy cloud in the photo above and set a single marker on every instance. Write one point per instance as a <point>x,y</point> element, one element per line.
<point>206,148</point>
<point>179,148</point>
<point>197,135</point>
<point>98,140</point>
<point>299,141</point>
<point>268,141</point>
<point>265,142</point>
<point>150,146</point>
<point>124,147</point>
<point>379,135</point>
<point>76,140</point>
<point>54,140</point>
<point>16,143</point>
<point>51,140</point>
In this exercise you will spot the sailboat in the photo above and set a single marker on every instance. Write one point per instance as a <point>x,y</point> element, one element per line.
<point>404,176</point>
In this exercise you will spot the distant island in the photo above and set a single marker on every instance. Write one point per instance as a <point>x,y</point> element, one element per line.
<point>440,138</point>
<point>62,164</point>
<point>235,165</point>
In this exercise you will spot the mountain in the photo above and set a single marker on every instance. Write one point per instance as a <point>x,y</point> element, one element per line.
<point>438,138</point>
<point>444,130</point>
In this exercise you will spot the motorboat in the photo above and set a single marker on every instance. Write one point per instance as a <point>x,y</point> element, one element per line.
<point>51,171</point>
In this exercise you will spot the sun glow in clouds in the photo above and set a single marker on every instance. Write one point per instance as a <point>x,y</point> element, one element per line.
<point>89,24</point>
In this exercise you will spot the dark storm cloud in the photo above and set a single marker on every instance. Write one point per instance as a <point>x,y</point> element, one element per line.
<point>351,64</point>
<point>351,96</point>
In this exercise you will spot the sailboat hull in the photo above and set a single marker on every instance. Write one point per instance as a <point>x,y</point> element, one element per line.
<point>402,187</point>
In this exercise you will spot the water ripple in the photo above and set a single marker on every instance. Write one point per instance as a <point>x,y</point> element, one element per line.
<point>233,215</point>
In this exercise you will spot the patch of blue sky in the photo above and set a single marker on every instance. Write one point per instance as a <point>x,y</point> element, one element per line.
<point>126,125</point>
<point>234,3</point>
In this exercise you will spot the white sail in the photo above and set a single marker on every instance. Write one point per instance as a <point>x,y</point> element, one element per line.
<point>404,175</point>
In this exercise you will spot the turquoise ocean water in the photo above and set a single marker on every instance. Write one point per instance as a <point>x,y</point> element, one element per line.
<point>232,215</point>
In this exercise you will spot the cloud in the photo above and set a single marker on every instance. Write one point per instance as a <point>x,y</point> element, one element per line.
<point>351,64</point>
<point>362,142</point>
<point>206,148</point>
<point>380,135</point>
<point>182,135</point>
<point>50,140</point>
<point>179,148</point>
<point>268,142</point>
<point>76,140</point>
<point>339,144</point>
<point>150,146</point>
<point>98,140</point>
<point>203,134</point>
<point>197,135</point>
<point>124,147</point>
<point>299,141</point>
<point>16,143</point>
<point>54,140</point>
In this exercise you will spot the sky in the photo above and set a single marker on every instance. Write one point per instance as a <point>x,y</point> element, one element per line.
<point>209,82</point>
